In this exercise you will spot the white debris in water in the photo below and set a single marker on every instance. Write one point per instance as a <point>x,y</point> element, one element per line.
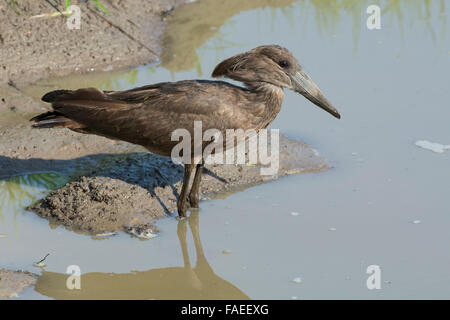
<point>354,154</point>
<point>3,235</point>
<point>295,214</point>
<point>332,229</point>
<point>226,251</point>
<point>106,234</point>
<point>297,280</point>
<point>432,146</point>
<point>417,221</point>
<point>146,234</point>
<point>294,298</point>
<point>316,153</point>
<point>39,264</point>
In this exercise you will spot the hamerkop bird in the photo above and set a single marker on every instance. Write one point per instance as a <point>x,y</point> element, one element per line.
<point>148,115</point>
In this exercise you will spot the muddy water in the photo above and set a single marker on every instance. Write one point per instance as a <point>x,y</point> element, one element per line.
<point>384,202</point>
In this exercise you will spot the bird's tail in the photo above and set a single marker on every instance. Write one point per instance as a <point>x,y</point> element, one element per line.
<point>53,119</point>
<point>52,95</point>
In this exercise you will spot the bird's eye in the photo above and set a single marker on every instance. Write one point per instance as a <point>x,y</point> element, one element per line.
<point>283,63</point>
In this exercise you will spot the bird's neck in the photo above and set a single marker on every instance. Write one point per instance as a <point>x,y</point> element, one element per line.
<point>272,97</point>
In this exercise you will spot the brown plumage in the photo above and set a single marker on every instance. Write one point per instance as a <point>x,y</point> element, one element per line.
<point>148,115</point>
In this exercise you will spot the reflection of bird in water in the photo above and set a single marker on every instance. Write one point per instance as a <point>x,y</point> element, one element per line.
<point>149,115</point>
<point>187,282</point>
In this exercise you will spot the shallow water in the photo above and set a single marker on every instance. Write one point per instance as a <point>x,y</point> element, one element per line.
<point>384,202</point>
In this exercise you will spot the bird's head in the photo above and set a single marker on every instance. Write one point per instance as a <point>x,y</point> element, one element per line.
<point>277,66</point>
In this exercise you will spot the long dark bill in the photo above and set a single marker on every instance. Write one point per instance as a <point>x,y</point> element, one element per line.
<point>305,86</point>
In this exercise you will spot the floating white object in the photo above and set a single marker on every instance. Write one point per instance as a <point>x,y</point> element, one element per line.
<point>297,280</point>
<point>3,235</point>
<point>226,251</point>
<point>39,264</point>
<point>417,221</point>
<point>106,234</point>
<point>332,229</point>
<point>294,214</point>
<point>432,146</point>
<point>146,234</point>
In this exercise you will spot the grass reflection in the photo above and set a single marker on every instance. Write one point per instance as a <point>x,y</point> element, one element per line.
<point>193,24</point>
<point>18,192</point>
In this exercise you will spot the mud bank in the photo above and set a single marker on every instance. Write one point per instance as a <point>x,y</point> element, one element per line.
<point>141,187</point>
<point>14,282</point>
<point>35,47</point>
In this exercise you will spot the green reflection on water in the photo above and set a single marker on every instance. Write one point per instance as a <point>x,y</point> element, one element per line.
<point>190,26</point>
<point>195,28</point>
<point>18,192</point>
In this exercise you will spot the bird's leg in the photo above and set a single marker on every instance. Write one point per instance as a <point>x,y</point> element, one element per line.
<point>195,189</point>
<point>181,204</point>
